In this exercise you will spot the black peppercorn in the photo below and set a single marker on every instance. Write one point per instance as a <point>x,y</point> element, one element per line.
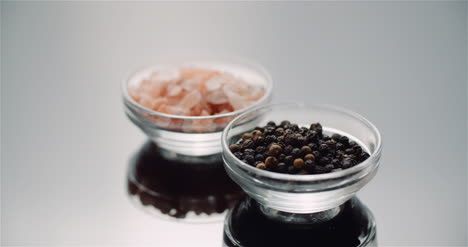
<point>335,162</point>
<point>294,127</point>
<point>261,165</point>
<point>331,143</point>
<point>301,140</point>
<point>357,149</point>
<point>319,170</point>
<point>271,123</point>
<point>352,143</point>
<point>281,157</point>
<point>246,136</point>
<point>292,170</point>
<point>249,151</point>
<point>309,157</point>
<point>288,159</point>
<point>289,139</point>
<point>317,127</point>
<point>259,128</point>
<point>324,160</point>
<point>247,144</point>
<point>269,131</point>
<point>349,151</point>
<point>316,154</point>
<point>363,156</point>
<point>298,163</point>
<point>339,146</point>
<point>287,150</point>
<point>303,131</point>
<point>270,139</point>
<point>249,159</point>
<point>324,148</point>
<point>279,131</point>
<point>260,149</point>
<point>282,168</point>
<point>312,136</point>
<point>285,122</point>
<point>295,152</point>
<point>336,137</point>
<point>280,139</point>
<point>271,162</point>
<point>234,148</point>
<point>309,165</point>
<point>256,133</point>
<point>275,149</point>
<point>266,153</point>
<point>351,156</point>
<point>313,146</point>
<point>259,140</point>
<point>347,163</point>
<point>344,140</point>
<point>259,157</point>
<point>305,150</point>
<point>329,167</point>
<point>238,155</point>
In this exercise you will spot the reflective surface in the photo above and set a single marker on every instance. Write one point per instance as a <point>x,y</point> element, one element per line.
<point>66,143</point>
<point>249,225</point>
<point>187,192</point>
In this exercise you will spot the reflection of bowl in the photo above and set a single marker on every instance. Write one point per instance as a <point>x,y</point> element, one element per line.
<point>303,193</point>
<point>174,133</point>
<point>180,190</point>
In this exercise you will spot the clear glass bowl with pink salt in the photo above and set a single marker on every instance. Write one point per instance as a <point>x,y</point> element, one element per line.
<point>183,108</point>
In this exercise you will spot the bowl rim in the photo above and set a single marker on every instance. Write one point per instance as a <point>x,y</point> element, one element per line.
<point>372,160</point>
<point>260,69</point>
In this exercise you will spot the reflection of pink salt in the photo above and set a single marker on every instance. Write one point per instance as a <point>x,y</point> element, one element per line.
<point>195,92</point>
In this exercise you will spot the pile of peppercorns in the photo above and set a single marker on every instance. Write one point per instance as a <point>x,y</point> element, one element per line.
<point>288,148</point>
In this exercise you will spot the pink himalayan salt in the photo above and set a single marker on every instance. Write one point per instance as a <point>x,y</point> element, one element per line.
<point>190,100</point>
<point>194,92</point>
<point>216,97</point>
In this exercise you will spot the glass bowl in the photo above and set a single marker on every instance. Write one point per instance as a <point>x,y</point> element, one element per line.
<point>175,134</point>
<point>303,194</point>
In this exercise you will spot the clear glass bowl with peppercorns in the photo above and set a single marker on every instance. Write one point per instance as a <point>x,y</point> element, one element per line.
<point>301,164</point>
<point>177,119</point>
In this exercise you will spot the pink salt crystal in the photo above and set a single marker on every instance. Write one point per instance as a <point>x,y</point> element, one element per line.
<point>190,100</point>
<point>158,102</point>
<point>214,83</point>
<point>146,102</point>
<point>196,110</point>
<point>173,90</point>
<point>134,93</point>
<point>236,101</point>
<point>203,125</point>
<point>204,113</point>
<point>191,83</point>
<point>166,75</point>
<point>176,110</point>
<point>216,97</point>
<point>207,106</point>
<point>190,72</point>
<point>222,112</point>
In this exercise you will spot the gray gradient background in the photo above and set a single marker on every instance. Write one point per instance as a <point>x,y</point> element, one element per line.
<point>66,142</point>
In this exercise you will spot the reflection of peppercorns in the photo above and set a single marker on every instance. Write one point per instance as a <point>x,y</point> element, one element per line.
<point>288,148</point>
